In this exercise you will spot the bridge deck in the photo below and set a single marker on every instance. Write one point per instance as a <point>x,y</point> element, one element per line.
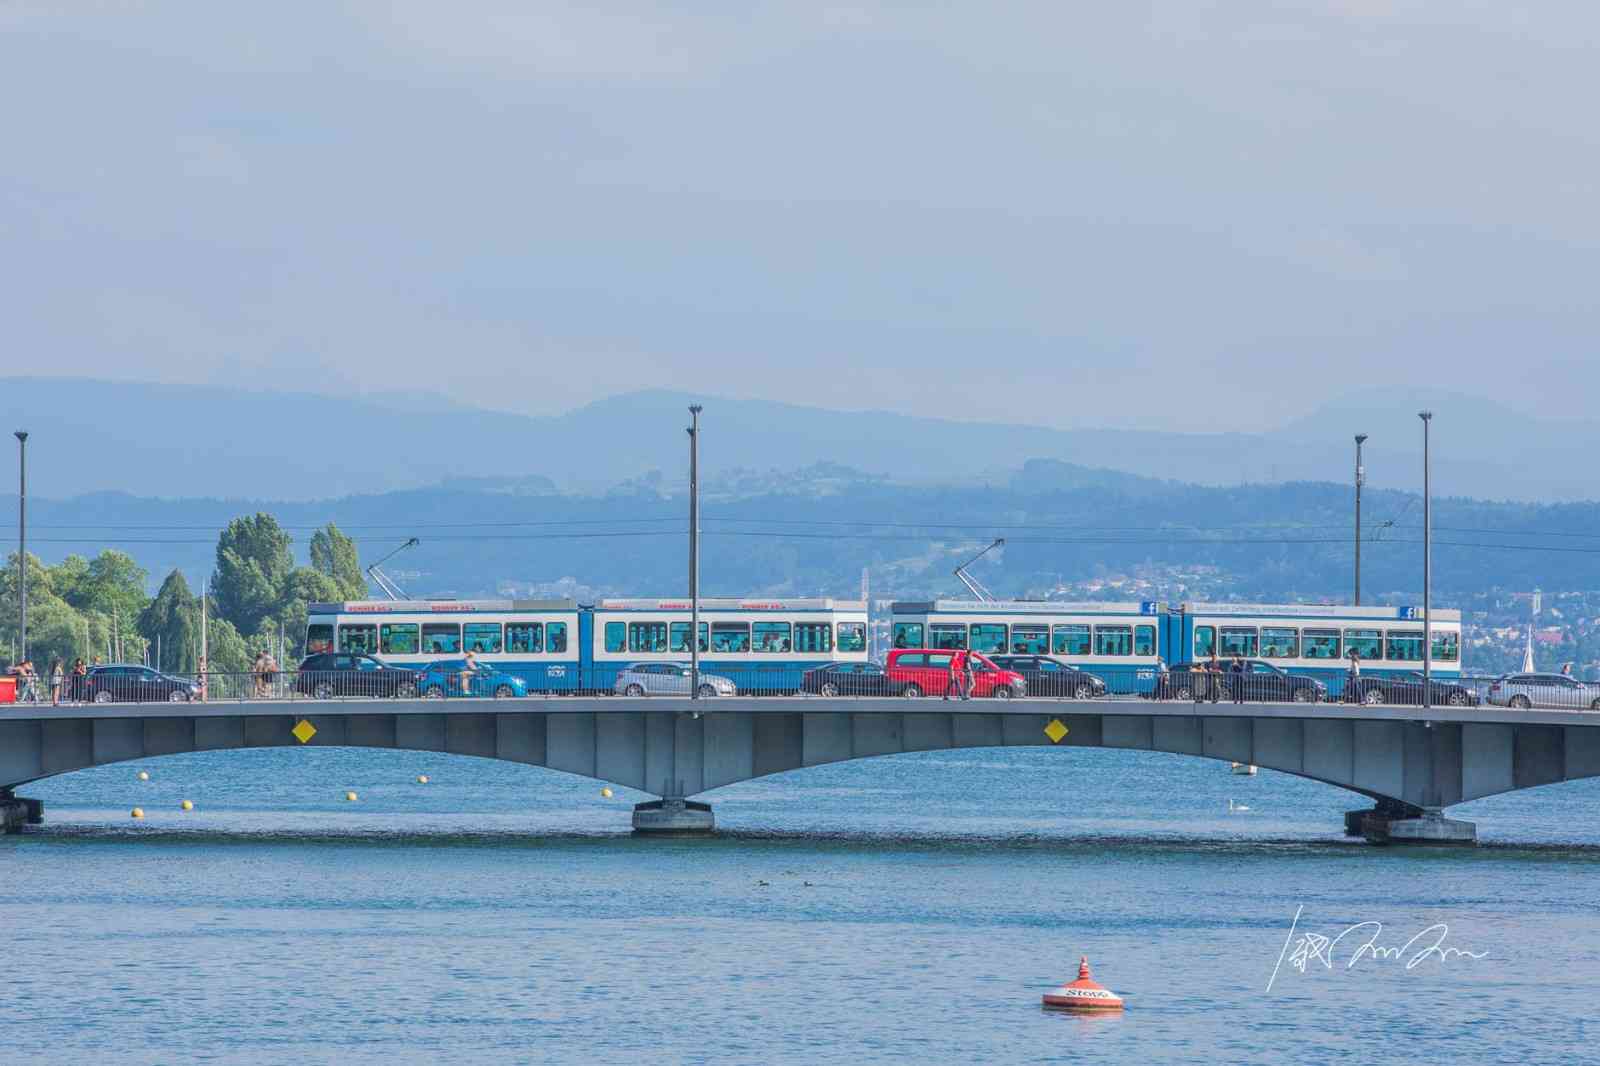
<point>313,708</point>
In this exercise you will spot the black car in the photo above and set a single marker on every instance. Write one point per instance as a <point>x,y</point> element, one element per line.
<point>328,675</point>
<point>1406,688</point>
<point>848,679</point>
<point>1047,676</point>
<point>136,684</point>
<point>1257,681</point>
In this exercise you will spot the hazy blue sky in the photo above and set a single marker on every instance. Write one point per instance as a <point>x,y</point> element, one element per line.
<point>1022,211</point>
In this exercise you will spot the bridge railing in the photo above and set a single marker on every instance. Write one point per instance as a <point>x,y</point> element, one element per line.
<point>849,680</point>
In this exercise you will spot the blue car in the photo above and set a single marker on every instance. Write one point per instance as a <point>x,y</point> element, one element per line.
<point>443,679</point>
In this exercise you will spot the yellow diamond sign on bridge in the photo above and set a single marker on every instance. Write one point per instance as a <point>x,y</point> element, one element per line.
<point>303,731</point>
<point>1055,730</point>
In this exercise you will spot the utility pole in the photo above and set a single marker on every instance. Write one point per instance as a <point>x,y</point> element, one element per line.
<point>694,551</point>
<point>205,666</point>
<point>1361,477</point>
<point>22,537</point>
<point>1427,562</point>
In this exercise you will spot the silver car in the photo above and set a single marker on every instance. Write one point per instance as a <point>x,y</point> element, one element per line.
<point>1556,691</point>
<point>669,679</point>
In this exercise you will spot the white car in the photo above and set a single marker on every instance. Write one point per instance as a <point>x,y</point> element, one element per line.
<point>669,679</point>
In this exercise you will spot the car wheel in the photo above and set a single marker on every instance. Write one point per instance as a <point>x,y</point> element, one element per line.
<point>1457,699</point>
<point>434,692</point>
<point>323,690</point>
<point>102,696</point>
<point>406,690</point>
<point>504,692</point>
<point>177,695</point>
<point>707,690</point>
<point>1003,692</point>
<point>1303,695</point>
<point>633,690</point>
<point>1372,697</point>
<point>1084,692</point>
<point>1521,703</point>
<point>829,689</point>
<point>912,692</point>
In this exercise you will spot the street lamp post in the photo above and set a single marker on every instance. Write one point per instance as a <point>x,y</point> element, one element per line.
<point>694,551</point>
<point>22,538</point>
<point>1361,477</point>
<point>1427,562</point>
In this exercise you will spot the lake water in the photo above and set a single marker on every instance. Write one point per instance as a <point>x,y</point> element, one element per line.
<point>914,907</point>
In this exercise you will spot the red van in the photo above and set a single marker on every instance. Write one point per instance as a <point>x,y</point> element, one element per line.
<point>926,672</point>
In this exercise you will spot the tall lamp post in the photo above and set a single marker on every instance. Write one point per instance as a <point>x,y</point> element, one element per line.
<point>1361,477</point>
<point>22,538</point>
<point>1427,562</point>
<point>694,551</point>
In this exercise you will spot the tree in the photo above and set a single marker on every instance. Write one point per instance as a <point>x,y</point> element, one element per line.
<point>171,623</point>
<point>334,554</point>
<point>227,652</point>
<point>253,566</point>
<point>305,587</point>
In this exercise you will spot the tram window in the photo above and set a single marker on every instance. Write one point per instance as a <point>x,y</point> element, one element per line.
<point>1239,640</point>
<point>988,638</point>
<point>319,638</point>
<point>680,637</point>
<point>1205,642</point>
<point>1321,643</point>
<point>814,637</point>
<point>1113,640</point>
<point>1070,640</point>
<point>558,638</point>
<point>616,637</point>
<point>1030,640</point>
<point>398,638</point>
<point>1367,643</point>
<point>772,638</point>
<point>947,636</point>
<point>1144,640</point>
<point>527,637</point>
<point>441,638</point>
<point>1279,643</point>
<point>1447,647</point>
<point>908,634</point>
<point>647,636</point>
<point>483,637</point>
<point>852,636</point>
<point>358,639</point>
<point>1405,647</point>
<point>730,637</point>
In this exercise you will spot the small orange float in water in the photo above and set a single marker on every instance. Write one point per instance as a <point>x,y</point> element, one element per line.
<point>1083,994</point>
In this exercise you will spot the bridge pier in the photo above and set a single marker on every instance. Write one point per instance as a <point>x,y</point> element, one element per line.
<point>1387,810</point>
<point>1428,827</point>
<point>674,816</point>
<point>18,811</point>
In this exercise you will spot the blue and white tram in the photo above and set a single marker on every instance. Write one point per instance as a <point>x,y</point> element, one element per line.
<point>1119,642</point>
<point>1316,639</point>
<point>762,645</point>
<point>539,641</point>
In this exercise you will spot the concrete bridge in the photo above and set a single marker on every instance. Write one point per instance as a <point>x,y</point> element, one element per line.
<point>1410,765</point>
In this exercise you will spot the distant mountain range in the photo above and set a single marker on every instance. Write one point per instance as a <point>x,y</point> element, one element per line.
<point>814,532</point>
<point>169,441</point>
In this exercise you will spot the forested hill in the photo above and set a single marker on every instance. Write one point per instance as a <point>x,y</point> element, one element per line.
<point>814,531</point>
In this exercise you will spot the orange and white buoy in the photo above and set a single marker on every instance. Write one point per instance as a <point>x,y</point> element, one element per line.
<point>1083,994</point>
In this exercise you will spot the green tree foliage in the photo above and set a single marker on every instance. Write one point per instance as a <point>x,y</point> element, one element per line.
<point>227,650</point>
<point>253,568</point>
<point>334,554</point>
<point>171,624</point>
